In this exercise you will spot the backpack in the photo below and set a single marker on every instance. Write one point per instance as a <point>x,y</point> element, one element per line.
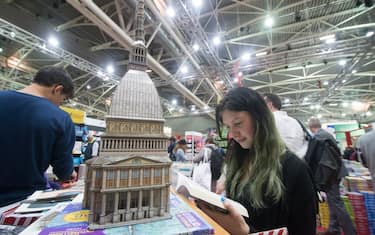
<point>324,159</point>
<point>216,162</point>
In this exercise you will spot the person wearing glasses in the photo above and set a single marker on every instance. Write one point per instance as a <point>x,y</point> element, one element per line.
<point>35,133</point>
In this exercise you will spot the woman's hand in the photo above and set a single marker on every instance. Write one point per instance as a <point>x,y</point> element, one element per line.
<point>232,221</point>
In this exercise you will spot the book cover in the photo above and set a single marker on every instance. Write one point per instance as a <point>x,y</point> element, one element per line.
<point>73,220</point>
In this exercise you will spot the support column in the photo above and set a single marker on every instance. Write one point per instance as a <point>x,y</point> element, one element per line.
<point>116,216</point>
<point>162,176</point>
<point>93,209</point>
<point>128,214</point>
<point>141,177</point>
<point>152,175</point>
<point>102,214</point>
<point>140,211</point>
<point>104,180</point>
<point>118,173</point>
<point>130,177</point>
<point>151,203</point>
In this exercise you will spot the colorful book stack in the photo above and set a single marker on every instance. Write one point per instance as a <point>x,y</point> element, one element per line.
<point>360,213</point>
<point>370,207</point>
<point>323,214</point>
<point>357,184</point>
<point>348,207</point>
<point>73,220</point>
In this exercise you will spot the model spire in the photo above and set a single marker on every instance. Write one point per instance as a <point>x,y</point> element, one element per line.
<point>139,52</point>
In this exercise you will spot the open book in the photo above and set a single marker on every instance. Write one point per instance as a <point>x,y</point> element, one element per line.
<point>189,188</point>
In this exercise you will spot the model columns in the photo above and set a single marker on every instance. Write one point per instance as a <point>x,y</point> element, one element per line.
<point>104,204</point>
<point>116,217</point>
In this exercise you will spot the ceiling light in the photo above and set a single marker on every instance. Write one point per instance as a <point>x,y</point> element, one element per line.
<point>240,74</point>
<point>174,101</point>
<point>100,73</point>
<point>342,62</point>
<point>235,80</point>
<point>312,107</point>
<point>53,41</point>
<point>331,40</point>
<point>354,71</point>
<point>343,114</point>
<point>317,106</point>
<point>12,34</point>
<point>148,71</point>
<point>269,21</point>
<point>320,116</point>
<point>88,87</point>
<point>110,69</point>
<point>343,81</point>
<point>216,40</point>
<point>325,83</point>
<point>368,113</point>
<point>246,56</point>
<point>369,33</point>
<point>192,108</point>
<point>181,110</point>
<point>184,69</point>
<point>196,47</point>
<point>306,98</point>
<point>171,12</point>
<point>287,100</point>
<point>105,78</point>
<point>261,53</point>
<point>206,107</point>
<point>345,104</point>
<point>197,3</point>
<point>330,36</point>
<point>1,50</point>
<point>333,104</point>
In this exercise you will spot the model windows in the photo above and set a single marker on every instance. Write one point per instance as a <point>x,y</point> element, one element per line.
<point>146,198</point>
<point>110,203</point>
<point>135,177</point>
<point>147,176</point>
<point>98,178</point>
<point>111,179</point>
<point>157,178</point>
<point>124,175</point>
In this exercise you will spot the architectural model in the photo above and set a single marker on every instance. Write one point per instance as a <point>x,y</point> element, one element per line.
<point>129,182</point>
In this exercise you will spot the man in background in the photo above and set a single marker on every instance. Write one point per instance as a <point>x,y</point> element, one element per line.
<point>366,146</point>
<point>35,133</point>
<point>289,129</point>
<point>338,217</point>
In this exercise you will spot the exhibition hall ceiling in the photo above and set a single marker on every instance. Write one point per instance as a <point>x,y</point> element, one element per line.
<point>317,55</point>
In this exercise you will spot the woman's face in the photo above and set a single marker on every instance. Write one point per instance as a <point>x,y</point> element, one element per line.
<point>240,126</point>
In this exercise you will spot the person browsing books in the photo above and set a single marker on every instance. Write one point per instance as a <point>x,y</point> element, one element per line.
<point>35,133</point>
<point>273,184</point>
<point>180,151</point>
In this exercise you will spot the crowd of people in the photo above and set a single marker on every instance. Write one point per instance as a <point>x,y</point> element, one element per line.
<point>264,165</point>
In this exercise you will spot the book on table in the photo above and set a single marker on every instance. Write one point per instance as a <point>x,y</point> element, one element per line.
<point>189,188</point>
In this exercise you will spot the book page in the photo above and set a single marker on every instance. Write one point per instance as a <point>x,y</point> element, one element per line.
<point>188,187</point>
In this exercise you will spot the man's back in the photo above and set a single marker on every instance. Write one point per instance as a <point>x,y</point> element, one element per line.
<point>33,135</point>
<point>367,148</point>
<point>291,132</point>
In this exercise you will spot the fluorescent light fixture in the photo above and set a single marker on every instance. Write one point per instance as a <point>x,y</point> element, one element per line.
<point>171,12</point>
<point>235,80</point>
<point>110,68</point>
<point>192,108</point>
<point>333,104</point>
<point>326,37</point>
<point>263,53</point>
<point>1,50</point>
<point>240,74</point>
<point>368,113</point>
<point>197,3</point>
<point>174,101</point>
<point>287,100</point>
<point>195,47</point>
<point>181,110</point>
<point>342,62</point>
<point>148,71</point>
<point>269,21</point>
<point>206,107</point>
<point>306,98</point>
<point>325,83</point>
<point>343,114</point>
<point>88,87</point>
<point>331,40</point>
<point>317,106</point>
<point>354,71</point>
<point>312,107</point>
<point>100,73</point>
<point>369,33</point>
<point>12,34</point>
<point>345,104</point>
<point>53,41</point>
<point>320,116</point>
<point>216,40</point>
<point>246,56</point>
<point>184,69</point>
<point>343,81</point>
